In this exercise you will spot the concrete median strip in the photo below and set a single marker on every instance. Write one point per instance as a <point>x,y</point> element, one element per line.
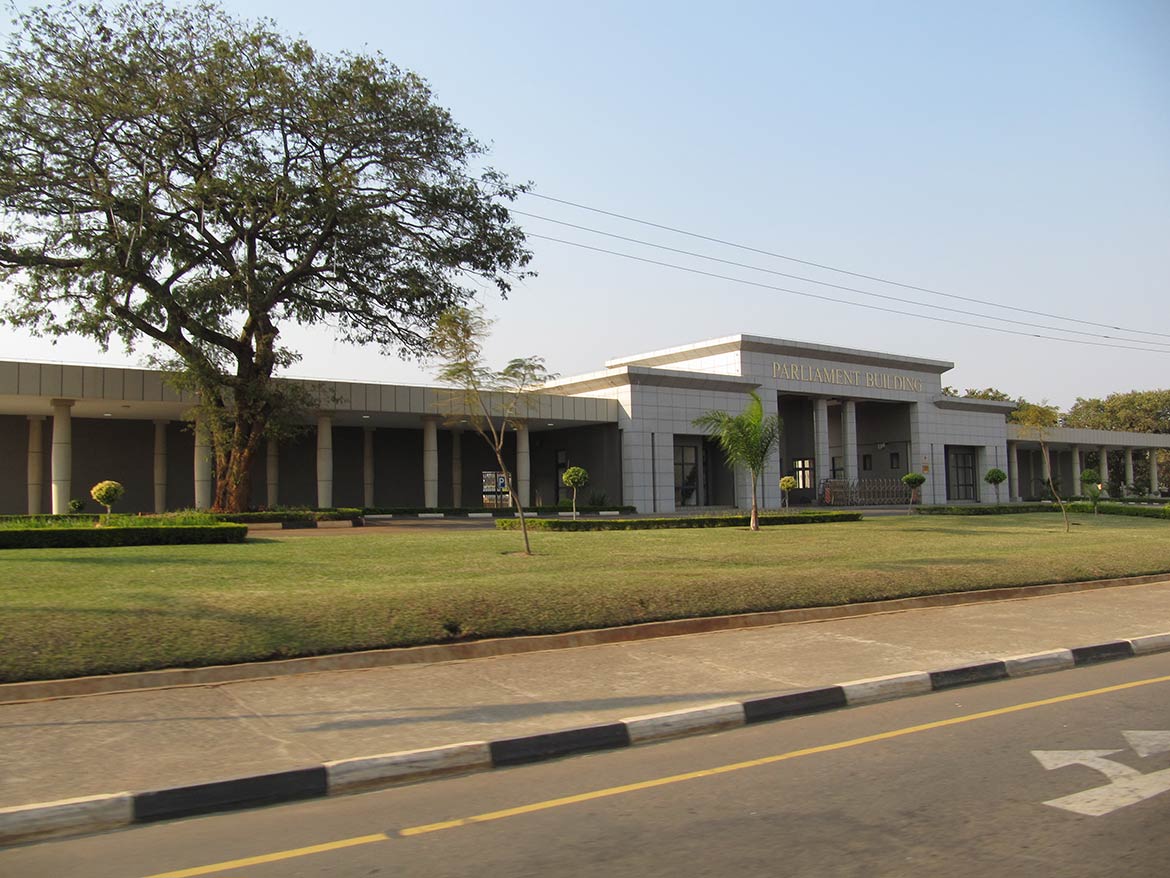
<point>886,688</point>
<point>97,813</point>
<point>368,772</point>
<point>677,723</point>
<point>1041,662</point>
<point>1151,643</point>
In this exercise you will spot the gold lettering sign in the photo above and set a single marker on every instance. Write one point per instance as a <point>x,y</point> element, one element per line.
<point>793,371</point>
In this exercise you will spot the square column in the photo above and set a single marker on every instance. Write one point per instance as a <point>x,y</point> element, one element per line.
<point>62,456</point>
<point>272,473</point>
<point>324,462</point>
<point>456,468</point>
<point>1128,471</point>
<point>36,462</point>
<point>160,466</point>
<point>368,467</point>
<point>523,466</point>
<point>849,438</point>
<point>823,462</point>
<point>430,461</point>
<point>1013,471</point>
<point>202,465</point>
<point>1154,487</point>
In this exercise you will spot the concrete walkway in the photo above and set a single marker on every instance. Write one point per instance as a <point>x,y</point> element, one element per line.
<point>133,741</point>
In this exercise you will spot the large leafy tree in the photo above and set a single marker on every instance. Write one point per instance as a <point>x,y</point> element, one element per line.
<point>1138,411</point>
<point>993,393</point>
<point>179,176</point>
<point>747,440</point>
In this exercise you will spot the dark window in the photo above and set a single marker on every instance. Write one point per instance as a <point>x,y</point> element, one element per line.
<point>836,470</point>
<point>867,462</point>
<point>895,460</point>
<point>686,475</point>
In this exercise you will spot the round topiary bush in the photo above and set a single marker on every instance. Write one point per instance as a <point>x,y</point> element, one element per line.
<point>913,481</point>
<point>995,477</point>
<point>107,493</point>
<point>575,477</point>
<point>787,483</point>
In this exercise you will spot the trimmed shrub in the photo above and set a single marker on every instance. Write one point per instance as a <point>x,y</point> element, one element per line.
<point>502,511</point>
<point>1085,506</point>
<point>107,493</point>
<point>565,524</point>
<point>276,515</point>
<point>1005,509</point>
<point>89,537</point>
<point>1111,508</point>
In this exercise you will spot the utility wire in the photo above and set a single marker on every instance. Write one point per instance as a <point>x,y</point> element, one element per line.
<point>810,280</point>
<point>808,295</point>
<point>856,274</point>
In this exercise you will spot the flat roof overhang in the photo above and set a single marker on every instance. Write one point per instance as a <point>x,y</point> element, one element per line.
<point>140,394</point>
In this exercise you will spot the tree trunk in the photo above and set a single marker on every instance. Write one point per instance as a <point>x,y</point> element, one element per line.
<point>755,525</point>
<point>237,444</point>
<point>1052,487</point>
<point>515,498</point>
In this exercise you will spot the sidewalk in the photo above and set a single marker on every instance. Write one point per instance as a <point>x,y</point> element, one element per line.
<point>134,741</point>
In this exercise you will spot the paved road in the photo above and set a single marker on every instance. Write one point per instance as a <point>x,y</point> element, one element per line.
<point>63,748</point>
<point>969,782</point>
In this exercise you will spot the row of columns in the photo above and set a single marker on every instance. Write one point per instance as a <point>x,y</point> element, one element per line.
<point>1077,450</point>
<point>61,463</point>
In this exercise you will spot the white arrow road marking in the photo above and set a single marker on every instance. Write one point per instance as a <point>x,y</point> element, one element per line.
<point>1148,743</point>
<point>1094,759</point>
<point>1126,786</point>
<point>1104,800</point>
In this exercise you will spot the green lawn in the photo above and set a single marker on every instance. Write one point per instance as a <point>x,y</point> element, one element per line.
<point>69,612</point>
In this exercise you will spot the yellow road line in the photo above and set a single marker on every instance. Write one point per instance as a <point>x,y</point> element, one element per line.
<point>766,760</point>
<point>274,857</point>
<point>658,782</point>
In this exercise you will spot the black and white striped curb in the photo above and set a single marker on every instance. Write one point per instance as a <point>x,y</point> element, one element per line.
<point>94,813</point>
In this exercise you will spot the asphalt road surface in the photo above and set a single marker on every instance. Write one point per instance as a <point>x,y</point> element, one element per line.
<point>1064,774</point>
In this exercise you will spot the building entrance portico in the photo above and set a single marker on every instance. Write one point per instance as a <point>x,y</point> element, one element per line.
<point>865,447</point>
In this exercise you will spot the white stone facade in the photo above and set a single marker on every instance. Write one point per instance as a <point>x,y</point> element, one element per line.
<point>853,421</point>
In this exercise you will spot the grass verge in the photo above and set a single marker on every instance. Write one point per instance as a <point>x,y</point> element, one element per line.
<point>71,612</point>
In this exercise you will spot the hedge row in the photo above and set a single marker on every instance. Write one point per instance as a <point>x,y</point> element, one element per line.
<point>501,511</point>
<point>567,524</point>
<point>1002,509</point>
<point>1145,499</point>
<point>1122,509</point>
<point>278,515</point>
<point>1104,508</point>
<point>80,538</point>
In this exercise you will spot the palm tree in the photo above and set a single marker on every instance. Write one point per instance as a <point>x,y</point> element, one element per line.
<point>747,440</point>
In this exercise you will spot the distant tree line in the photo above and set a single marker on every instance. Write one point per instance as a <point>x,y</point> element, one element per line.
<point>1135,411</point>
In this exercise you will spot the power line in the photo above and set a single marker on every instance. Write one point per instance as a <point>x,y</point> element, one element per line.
<point>832,285</point>
<point>856,274</point>
<point>865,305</point>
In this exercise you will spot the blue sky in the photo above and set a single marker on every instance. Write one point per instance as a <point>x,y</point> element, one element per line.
<point>1013,153</point>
